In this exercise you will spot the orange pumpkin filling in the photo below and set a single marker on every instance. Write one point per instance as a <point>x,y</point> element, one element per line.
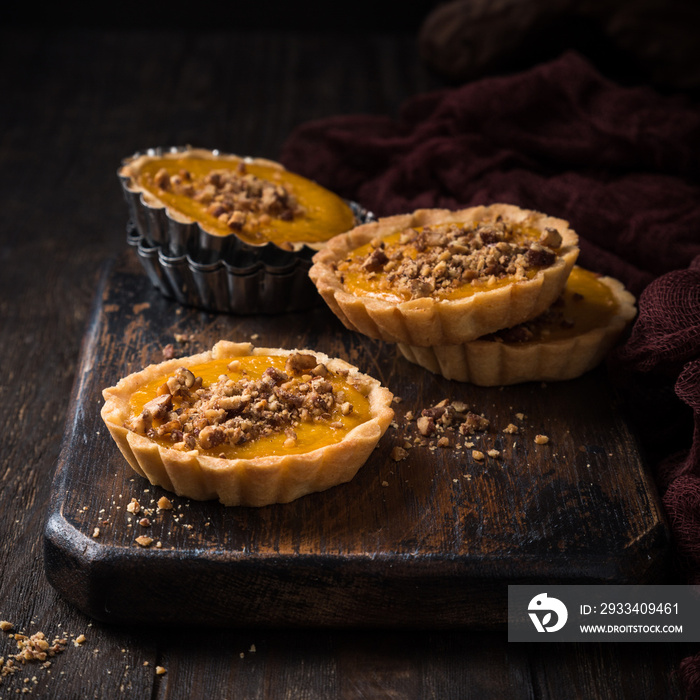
<point>250,406</point>
<point>447,261</point>
<point>585,304</point>
<point>257,200</point>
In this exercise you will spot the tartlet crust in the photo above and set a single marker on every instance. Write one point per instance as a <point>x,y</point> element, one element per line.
<point>428,321</point>
<point>491,363</point>
<point>256,481</point>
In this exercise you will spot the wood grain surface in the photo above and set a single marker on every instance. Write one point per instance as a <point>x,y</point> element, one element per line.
<point>430,540</point>
<point>74,103</point>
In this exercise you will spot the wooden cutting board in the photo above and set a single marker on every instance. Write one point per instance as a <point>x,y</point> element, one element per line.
<point>431,541</point>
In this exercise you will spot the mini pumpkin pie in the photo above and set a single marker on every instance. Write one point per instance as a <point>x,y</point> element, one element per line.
<point>253,200</point>
<point>567,340</point>
<point>249,426</point>
<point>438,277</point>
<point>227,233</point>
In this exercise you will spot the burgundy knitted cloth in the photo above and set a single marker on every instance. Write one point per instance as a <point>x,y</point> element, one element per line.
<point>620,164</point>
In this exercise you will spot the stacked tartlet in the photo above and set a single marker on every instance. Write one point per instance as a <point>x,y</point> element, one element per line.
<point>228,233</point>
<point>445,286</point>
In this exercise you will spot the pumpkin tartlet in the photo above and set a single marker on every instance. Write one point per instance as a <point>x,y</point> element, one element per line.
<point>438,277</point>
<point>567,340</point>
<point>254,200</point>
<point>249,426</point>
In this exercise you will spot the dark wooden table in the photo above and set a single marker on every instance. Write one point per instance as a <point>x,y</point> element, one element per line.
<point>72,104</point>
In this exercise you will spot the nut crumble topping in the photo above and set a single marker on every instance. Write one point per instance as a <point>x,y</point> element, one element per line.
<point>237,198</point>
<point>441,258</point>
<point>234,412</point>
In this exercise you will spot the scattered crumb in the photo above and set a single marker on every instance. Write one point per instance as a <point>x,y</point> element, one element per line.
<point>96,532</point>
<point>145,522</point>
<point>164,503</point>
<point>168,351</point>
<point>138,308</point>
<point>398,453</point>
<point>494,453</point>
<point>160,670</point>
<point>6,626</point>
<point>79,640</point>
<point>520,416</point>
<point>144,541</point>
<point>252,649</point>
<point>134,506</point>
<point>541,439</point>
<point>385,483</point>
<point>511,428</point>
<point>255,336</point>
<point>478,455</point>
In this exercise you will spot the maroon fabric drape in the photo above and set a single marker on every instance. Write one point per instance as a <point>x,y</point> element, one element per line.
<point>621,164</point>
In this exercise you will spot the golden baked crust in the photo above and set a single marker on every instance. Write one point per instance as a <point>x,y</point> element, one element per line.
<point>438,320</point>
<point>255,480</point>
<point>497,361</point>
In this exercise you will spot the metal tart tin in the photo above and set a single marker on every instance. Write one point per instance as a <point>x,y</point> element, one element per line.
<point>223,274</point>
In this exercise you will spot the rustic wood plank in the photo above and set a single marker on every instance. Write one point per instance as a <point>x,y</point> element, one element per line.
<point>431,540</point>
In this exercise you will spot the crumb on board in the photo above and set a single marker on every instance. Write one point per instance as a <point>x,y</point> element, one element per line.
<point>134,506</point>
<point>541,439</point>
<point>160,670</point>
<point>144,541</point>
<point>398,453</point>
<point>164,503</point>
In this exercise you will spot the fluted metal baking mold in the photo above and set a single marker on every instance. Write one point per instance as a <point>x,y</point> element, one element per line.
<point>218,273</point>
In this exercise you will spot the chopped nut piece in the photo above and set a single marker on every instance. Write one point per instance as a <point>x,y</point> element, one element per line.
<point>541,439</point>
<point>145,522</point>
<point>144,541</point>
<point>6,626</point>
<point>443,442</point>
<point>79,640</point>
<point>478,455</point>
<point>164,503</point>
<point>494,453</point>
<point>160,670</point>
<point>398,453</point>
<point>426,425</point>
<point>510,428</point>
<point>134,506</point>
